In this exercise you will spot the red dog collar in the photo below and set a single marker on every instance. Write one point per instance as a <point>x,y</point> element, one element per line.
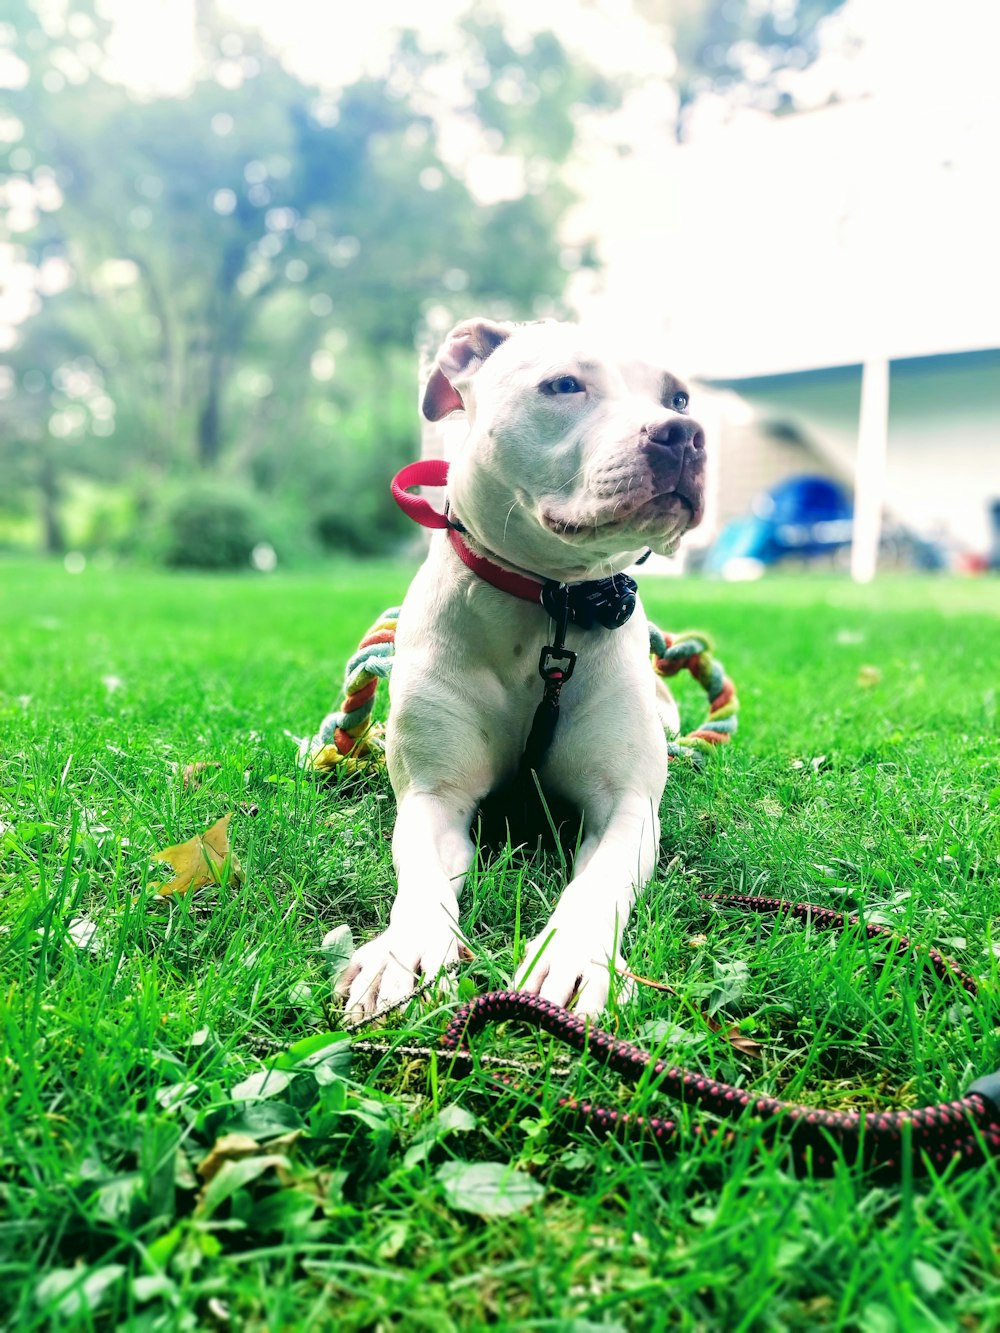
<point>428,472</point>
<point>434,472</point>
<point>606,602</point>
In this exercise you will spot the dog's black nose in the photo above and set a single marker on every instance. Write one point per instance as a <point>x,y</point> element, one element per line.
<point>674,433</point>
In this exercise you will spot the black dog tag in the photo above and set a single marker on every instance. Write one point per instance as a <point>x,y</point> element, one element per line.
<point>606,602</point>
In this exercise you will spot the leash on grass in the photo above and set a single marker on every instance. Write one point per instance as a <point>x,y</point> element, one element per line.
<point>960,1134</point>
<point>964,1132</point>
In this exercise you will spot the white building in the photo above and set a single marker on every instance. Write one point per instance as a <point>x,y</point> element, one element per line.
<point>799,257</point>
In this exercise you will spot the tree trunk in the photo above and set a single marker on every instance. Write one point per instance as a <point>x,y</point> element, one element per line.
<point>209,433</point>
<point>53,537</point>
<point>229,327</point>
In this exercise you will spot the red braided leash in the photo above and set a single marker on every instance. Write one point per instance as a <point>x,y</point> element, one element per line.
<point>965,1131</point>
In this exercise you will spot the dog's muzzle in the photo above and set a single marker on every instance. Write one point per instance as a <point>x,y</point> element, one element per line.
<point>675,452</point>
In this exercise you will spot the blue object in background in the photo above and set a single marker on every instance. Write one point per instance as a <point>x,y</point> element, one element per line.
<point>802,516</point>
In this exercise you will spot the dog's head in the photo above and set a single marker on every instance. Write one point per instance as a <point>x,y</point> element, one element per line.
<point>576,459</point>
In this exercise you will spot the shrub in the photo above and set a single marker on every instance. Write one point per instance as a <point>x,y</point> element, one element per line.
<point>211,527</point>
<point>350,530</point>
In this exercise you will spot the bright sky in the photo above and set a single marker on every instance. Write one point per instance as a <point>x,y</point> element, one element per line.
<point>748,200</point>
<point>331,43</point>
<point>899,47</point>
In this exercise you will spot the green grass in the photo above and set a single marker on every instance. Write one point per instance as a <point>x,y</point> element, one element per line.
<point>119,1060</point>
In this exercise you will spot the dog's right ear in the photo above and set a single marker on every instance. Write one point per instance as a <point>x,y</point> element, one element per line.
<point>462,353</point>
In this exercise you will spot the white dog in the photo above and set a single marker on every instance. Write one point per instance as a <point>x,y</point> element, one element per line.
<point>575,463</point>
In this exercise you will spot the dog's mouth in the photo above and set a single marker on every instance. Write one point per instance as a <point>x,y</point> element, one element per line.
<point>664,517</point>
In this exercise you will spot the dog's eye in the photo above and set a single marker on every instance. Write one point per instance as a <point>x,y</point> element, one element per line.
<point>564,384</point>
<point>679,402</point>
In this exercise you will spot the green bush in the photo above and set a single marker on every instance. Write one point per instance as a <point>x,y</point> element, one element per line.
<point>211,527</point>
<point>350,530</point>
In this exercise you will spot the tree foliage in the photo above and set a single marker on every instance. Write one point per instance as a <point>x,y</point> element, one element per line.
<point>250,263</point>
<point>740,48</point>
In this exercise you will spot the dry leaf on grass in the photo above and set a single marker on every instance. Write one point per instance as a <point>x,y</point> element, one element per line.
<point>737,1040</point>
<point>233,1147</point>
<point>647,981</point>
<point>227,1148</point>
<point>200,861</point>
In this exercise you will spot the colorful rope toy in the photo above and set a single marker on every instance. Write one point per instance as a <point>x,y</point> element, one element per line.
<point>693,651</point>
<point>350,741</point>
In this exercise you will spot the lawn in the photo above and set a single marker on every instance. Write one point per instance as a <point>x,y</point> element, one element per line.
<point>136,1032</point>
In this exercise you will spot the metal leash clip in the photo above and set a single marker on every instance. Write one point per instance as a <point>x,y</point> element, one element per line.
<point>548,663</point>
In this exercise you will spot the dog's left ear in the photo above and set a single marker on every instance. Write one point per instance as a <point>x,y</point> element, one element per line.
<point>462,353</point>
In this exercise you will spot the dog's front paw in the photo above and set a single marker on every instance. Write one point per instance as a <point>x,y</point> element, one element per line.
<point>562,962</point>
<point>389,968</point>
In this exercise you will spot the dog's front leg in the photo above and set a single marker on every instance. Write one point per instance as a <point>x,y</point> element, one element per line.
<point>580,946</point>
<point>431,849</point>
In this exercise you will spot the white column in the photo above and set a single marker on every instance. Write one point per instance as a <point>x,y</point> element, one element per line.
<point>869,468</point>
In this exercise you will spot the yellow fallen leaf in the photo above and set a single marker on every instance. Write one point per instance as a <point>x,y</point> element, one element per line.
<point>228,1148</point>
<point>200,860</point>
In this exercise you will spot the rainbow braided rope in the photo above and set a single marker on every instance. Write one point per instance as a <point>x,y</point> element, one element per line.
<point>349,741</point>
<point>693,650</point>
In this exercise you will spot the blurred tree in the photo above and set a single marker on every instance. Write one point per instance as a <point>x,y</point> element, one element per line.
<point>244,268</point>
<point>739,48</point>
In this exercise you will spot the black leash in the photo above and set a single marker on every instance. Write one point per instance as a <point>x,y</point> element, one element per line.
<point>598,603</point>
<point>555,666</point>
